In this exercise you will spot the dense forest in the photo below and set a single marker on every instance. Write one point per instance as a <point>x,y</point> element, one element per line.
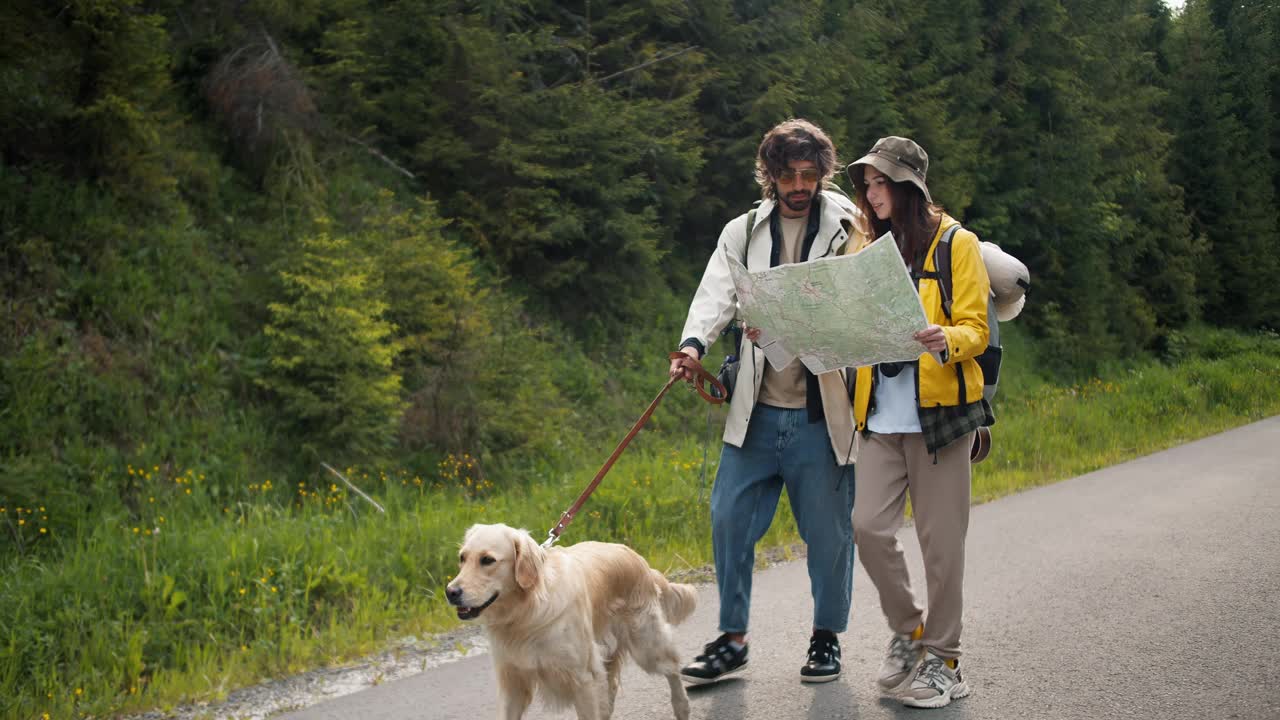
<point>251,234</point>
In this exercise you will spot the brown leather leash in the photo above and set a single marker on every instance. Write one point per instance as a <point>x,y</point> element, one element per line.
<point>701,377</point>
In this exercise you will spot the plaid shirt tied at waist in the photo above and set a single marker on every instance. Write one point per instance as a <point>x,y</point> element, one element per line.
<point>943,425</point>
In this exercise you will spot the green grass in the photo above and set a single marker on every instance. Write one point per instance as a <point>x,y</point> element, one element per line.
<point>1048,430</point>
<point>202,587</point>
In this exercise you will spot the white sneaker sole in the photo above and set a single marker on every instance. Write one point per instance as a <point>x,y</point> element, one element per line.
<point>957,691</point>
<point>818,678</point>
<point>694,681</point>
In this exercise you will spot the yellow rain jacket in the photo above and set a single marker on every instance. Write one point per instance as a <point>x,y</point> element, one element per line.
<point>966,331</point>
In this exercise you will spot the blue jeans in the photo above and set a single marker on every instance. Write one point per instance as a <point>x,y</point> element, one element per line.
<point>783,449</point>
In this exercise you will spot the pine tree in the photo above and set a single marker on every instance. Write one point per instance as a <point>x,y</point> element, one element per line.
<point>1149,246</point>
<point>86,89</point>
<point>1044,199</point>
<point>938,80</point>
<point>331,352</point>
<point>557,136</point>
<point>1223,135</point>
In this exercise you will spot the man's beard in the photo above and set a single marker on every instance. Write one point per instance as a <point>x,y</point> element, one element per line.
<point>799,204</point>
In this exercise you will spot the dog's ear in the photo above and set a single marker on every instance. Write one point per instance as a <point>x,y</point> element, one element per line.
<point>528,560</point>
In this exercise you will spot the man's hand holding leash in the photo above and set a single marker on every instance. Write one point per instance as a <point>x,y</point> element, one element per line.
<point>683,369</point>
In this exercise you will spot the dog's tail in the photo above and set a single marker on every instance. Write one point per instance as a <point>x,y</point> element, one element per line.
<point>678,599</point>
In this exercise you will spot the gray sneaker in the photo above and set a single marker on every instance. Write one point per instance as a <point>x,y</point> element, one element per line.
<point>899,664</point>
<point>935,685</point>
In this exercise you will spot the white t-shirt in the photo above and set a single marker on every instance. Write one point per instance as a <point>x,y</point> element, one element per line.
<point>897,410</point>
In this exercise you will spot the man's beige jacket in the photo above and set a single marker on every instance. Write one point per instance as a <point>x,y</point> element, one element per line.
<point>715,304</point>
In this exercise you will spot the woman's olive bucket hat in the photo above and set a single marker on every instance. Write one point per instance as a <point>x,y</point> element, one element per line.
<point>901,159</point>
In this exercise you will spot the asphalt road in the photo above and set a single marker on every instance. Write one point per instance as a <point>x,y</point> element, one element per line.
<point>1149,589</point>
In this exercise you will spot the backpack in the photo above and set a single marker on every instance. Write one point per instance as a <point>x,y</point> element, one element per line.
<point>1010,281</point>
<point>728,373</point>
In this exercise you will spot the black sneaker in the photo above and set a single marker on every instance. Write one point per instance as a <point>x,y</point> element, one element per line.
<point>824,658</point>
<point>717,660</point>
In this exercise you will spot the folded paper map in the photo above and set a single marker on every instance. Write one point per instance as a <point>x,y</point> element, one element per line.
<point>844,311</point>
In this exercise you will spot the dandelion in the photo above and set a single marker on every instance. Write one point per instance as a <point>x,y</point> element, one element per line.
<point>79,691</point>
<point>243,591</point>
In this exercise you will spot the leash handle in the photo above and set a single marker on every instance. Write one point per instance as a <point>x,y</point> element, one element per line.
<point>701,377</point>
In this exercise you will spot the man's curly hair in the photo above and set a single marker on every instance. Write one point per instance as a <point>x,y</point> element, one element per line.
<point>792,140</point>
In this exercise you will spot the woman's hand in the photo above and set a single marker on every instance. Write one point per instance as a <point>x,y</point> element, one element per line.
<point>753,334</point>
<point>932,338</point>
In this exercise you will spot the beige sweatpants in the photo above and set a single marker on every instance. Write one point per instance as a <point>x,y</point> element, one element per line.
<point>890,466</point>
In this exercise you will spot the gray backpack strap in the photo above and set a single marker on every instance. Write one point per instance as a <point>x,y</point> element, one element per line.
<point>942,266</point>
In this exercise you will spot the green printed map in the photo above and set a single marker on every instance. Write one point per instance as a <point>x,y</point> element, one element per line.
<point>844,311</point>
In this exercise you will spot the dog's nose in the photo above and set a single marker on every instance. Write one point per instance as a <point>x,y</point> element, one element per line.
<point>453,595</point>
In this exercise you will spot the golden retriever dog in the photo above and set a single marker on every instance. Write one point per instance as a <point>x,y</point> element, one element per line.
<point>562,621</point>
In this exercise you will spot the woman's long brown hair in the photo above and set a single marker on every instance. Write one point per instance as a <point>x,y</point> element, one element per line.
<point>913,220</point>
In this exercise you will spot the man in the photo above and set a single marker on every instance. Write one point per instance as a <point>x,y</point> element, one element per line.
<point>786,428</point>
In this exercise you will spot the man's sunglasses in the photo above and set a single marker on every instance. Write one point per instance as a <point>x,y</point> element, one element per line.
<point>788,176</point>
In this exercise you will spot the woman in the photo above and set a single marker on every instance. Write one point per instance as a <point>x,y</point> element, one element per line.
<point>917,421</point>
